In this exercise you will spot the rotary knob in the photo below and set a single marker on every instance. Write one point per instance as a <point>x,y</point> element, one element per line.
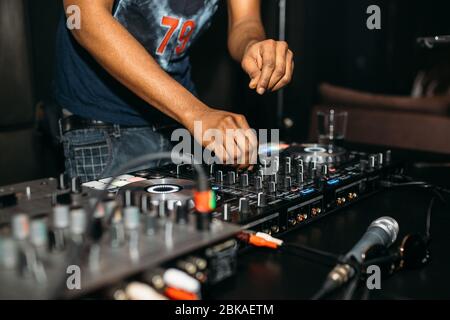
<point>272,187</point>
<point>262,200</point>
<point>244,205</point>
<point>20,226</point>
<point>63,183</point>
<point>231,178</point>
<point>226,212</point>
<point>287,183</point>
<point>243,180</point>
<point>300,177</point>
<point>76,185</point>
<point>258,183</point>
<point>372,162</point>
<point>288,166</point>
<point>219,176</point>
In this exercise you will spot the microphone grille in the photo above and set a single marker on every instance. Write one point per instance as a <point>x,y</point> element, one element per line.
<point>389,225</point>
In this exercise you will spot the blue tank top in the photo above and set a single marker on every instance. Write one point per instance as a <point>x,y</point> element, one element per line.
<point>166,28</point>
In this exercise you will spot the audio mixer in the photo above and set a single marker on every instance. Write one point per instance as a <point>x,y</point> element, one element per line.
<point>149,220</point>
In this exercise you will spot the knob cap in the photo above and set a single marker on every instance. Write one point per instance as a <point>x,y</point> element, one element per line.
<point>262,200</point>
<point>363,165</point>
<point>288,166</point>
<point>244,205</point>
<point>380,159</point>
<point>76,185</point>
<point>219,176</point>
<point>181,213</point>
<point>61,217</point>
<point>324,170</point>
<point>231,178</point>
<point>372,162</point>
<point>388,157</point>
<point>132,218</point>
<point>78,221</point>
<point>300,178</point>
<point>272,187</point>
<point>258,183</point>
<point>20,226</point>
<point>211,169</point>
<point>63,183</point>
<point>287,183</point>
<point>39,233</point>
<point>244,180</point>
<point>226,212</point>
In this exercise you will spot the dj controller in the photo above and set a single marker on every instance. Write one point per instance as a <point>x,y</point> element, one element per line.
<point>144,228</point>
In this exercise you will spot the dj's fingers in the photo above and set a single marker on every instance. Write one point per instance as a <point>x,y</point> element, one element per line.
<point>269,63</point>
<point>281,52</point>
<point>250,138</point>
<point>251,65</point>
<point>243,159</point>
<point>290,66</point>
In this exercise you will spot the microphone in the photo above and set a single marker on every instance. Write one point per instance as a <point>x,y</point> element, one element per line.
<point>383,231</point>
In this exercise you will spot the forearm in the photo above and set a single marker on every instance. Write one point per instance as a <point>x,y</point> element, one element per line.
<point>242,34</point>
<point>127,61</point>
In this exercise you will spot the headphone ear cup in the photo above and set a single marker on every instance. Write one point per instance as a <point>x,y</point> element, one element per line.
<point>414,252</point>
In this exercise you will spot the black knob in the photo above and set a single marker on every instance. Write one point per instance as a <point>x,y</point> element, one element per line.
<point>97,229</point>
<point>181,213</point>
<point>161,208</point>
<point>151,223</point>
<point>244,205</point>
<point>75,185</point>
<point>63,183</point>
<point>288,166</point>
<point>372,162</point>
<point>243,180</point>
<point>388,157</point>
<point>262,200</point>
<point>219,176</point>
<point>272,187</point>
<point>300,178</point>
<point>380,159</point>
<point>324,170</point>
<point>363,165</point>
<point>258,183</point>
<point>226,212</point>
<point>287,184</point>
<point>231,178</point>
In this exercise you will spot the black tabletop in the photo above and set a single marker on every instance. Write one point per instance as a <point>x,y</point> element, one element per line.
<point>264,274</point>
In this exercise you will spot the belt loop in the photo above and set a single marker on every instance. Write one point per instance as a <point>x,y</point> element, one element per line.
<point>117,132</point>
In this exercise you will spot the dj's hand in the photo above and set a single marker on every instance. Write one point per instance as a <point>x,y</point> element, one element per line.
<point>228,135</point>
<point>270,65</point>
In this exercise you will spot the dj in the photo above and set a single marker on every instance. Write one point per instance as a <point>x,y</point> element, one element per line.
<point>126,71</point>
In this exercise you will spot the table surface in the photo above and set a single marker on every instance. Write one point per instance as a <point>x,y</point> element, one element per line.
<point>263,274</point>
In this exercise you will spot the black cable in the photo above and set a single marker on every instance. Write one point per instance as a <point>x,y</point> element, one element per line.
<point>77,251</point>
<point>351,288</point>
<point>317,252</point>
<point>324,260</point>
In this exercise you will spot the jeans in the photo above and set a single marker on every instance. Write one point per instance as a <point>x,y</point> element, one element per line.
<point>93,153</point>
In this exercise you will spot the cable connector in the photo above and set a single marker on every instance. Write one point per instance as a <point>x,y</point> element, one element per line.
<point>260,239</point>
<point>269,238</point>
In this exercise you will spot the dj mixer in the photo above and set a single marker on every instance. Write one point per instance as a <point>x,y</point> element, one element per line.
<point>147,220</point>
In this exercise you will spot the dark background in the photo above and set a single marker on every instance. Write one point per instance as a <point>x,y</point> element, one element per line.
<point>329,38</point>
